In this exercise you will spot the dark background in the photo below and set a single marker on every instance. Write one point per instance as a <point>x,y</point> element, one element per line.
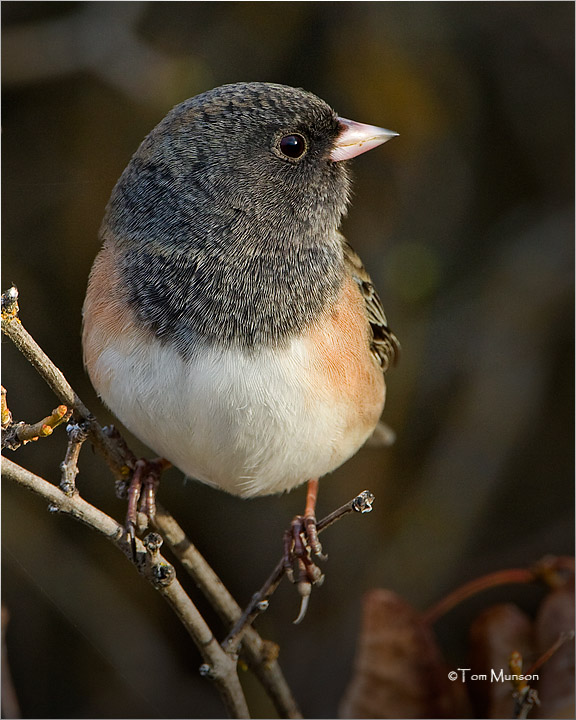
<point>465,223</point>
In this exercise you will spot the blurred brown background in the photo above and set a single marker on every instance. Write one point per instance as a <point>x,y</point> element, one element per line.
<point>465,223</point>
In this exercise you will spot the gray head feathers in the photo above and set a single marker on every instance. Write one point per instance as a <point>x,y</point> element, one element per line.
<point>225,238</point>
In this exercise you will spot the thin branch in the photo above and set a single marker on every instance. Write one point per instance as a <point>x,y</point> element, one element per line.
<point>362,503</point>
<point>564,637</point>
<point>260,655</point>
<point>258,603</point>
<point>6,414</point>
<point>553,571</point>
<point>16,434</point>
<point>13,329</point>
<point>219,665</point>
<point>77,435</point>
<point>500,577</point>
<point>524,696</point>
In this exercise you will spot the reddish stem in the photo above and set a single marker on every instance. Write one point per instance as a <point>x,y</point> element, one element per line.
<point>469,589</point>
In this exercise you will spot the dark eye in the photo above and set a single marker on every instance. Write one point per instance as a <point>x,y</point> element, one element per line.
<point>292,146</point>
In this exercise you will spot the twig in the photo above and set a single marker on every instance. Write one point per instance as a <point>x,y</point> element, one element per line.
<point>13,328</point>
<point>524,696</point>
<point>552,571</point>
<point>524,701</point>
<point>258,603</point>
<point>219,665</point>
<point>16,434</point>
<point>77,435</point>
<point>121,460</point>
<point>260,655</point>
<point>362,503</point>
<point>500,577</point>
<point>6,414</point>
<point>564,637</point>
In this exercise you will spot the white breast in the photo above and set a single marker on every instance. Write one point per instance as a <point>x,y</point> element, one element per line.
<point>251,424</point>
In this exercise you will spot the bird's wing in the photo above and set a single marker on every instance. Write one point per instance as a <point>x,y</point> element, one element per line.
<point>384,344</point>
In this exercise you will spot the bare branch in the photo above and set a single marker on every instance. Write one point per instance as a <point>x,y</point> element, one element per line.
<point>551,570</point>
<point>77,434</point>
<point>524,696</point>
<point>260,655</point>
<point>564,637</point>
<point>58,501</point>
<point>13,328</point>
<point>219,665</point>
<point>16,434</point>
<point>362,503</point>
<point>6,414</point>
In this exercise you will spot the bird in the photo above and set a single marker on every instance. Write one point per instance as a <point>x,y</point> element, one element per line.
<point>227,322</point>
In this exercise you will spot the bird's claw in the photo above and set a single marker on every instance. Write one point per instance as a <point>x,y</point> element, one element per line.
<point>300,545</point>
<point>142,496</point>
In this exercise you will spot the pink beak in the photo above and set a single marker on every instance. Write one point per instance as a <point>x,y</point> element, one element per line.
<point>357,138</point>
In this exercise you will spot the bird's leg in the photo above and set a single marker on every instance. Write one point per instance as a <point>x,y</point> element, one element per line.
<point>142,494</point>
<point>301,542</point>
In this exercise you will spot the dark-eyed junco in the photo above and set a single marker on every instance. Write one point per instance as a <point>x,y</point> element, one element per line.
<point>227,322</point>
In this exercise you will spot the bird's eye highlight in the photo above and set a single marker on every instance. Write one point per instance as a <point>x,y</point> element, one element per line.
<point>292,146</point>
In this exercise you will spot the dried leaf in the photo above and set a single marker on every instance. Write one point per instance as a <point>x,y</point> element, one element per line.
<point>399,671</point>
<point>556,686</point>
<point>494,635</point>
